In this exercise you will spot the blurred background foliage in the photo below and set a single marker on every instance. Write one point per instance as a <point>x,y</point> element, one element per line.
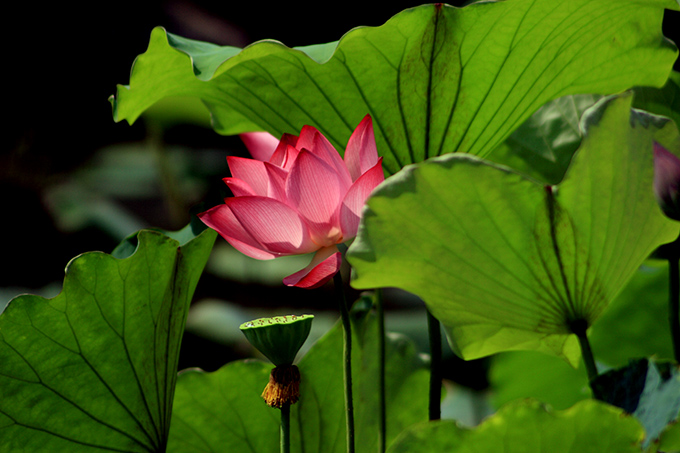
<point>74,181</point>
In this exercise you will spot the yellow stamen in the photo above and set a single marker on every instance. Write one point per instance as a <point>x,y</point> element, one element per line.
<point>283,387</point>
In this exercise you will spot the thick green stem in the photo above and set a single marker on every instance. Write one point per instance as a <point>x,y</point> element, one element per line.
<point>674,304</point>
<point>579,329</point>
<point>435,337</point>
<point>347,359</point>
<point>285,428</point>
<point>382,420</point>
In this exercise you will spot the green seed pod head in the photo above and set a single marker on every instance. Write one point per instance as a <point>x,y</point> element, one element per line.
<point>278,338</point>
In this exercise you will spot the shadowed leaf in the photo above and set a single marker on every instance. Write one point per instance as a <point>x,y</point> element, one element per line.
<point>649,390</point>
<point>223,411</point>
<point>94,368</point>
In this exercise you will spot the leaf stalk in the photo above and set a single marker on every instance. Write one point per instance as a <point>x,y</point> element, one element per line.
<point>382,419</point>
<point>579,328</point>
<point>435,338</point>
<point>674,303</point>
<point>347,359</point>
<point>285,428</point>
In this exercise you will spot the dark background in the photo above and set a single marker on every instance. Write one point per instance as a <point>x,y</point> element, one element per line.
<point>63,64</point>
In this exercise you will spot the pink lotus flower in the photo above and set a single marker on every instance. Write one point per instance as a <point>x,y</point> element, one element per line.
<point>667,181</point>
<point>298,196</point>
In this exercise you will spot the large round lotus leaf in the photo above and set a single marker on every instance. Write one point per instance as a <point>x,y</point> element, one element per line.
<point>94,368</point>
<point>436,79</point>
<point>507,263</point>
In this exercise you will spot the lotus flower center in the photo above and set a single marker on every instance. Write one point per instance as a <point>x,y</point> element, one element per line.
<point>333,237</point>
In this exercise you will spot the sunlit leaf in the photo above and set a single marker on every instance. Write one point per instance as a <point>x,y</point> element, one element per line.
<point>506,263</point>
<point>527,374</point>
<point>527,427</point>
<point>634,325</point>
<point>436,79</point>
<point>94,368</point>
<point>670,439</point>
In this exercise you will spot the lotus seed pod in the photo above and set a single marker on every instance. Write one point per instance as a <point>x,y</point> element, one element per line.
<point>278,338</point>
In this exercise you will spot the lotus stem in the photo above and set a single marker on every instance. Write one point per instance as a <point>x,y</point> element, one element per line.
<point>347,359</point>
<point>382,419</point>
<point>579,329</point>
<point>285,428</point>
<point>435,337</point>
<point>674,303</point>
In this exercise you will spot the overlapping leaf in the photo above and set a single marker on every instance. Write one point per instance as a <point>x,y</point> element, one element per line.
<point>528,374</point>
<point>664,101</point>
<point>222,411</point>
<point>543,146</point>
<point>435,79</point>
<point>647,389</point>
<point>507,263</point>
<point>636,323</point>
<point>527,427</point>
<point>94,368</point>
<point>633,326</point>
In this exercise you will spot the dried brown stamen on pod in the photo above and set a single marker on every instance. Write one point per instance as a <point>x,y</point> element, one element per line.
<point>283,387</point>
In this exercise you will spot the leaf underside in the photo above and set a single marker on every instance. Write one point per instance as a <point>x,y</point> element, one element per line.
<point>506,263</point>
<point>436,79</point>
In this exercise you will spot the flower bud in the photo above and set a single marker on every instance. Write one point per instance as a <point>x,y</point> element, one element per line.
<point>667,181</point>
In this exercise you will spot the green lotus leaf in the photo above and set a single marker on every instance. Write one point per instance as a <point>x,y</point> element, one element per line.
<point>647,389</point>
<point>670,440</point>
<point>223,411</point>
<point>436,79</point>
<point>528,427</point>
<point>632,326</point>
<point>543,146</point>
<point>94,368</point>
<point>507,263</point>
<point>661,101</point>
<point>528,374</point>
<point>635,324</point>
